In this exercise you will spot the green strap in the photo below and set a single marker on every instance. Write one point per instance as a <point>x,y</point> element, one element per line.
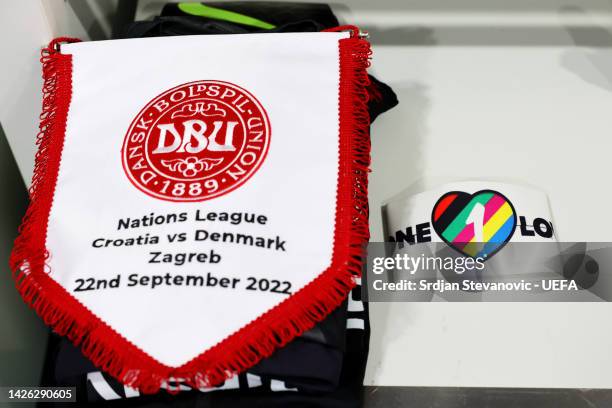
<point>199,9</point>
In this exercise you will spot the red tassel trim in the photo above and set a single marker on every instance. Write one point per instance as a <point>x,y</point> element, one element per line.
<point>114,354</point>
<point>29,253</point>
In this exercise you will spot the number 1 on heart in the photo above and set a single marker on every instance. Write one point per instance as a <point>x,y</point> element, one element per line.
<point>476,218</point>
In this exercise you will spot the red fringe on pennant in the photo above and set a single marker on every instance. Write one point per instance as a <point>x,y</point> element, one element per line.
<point>114,354</point>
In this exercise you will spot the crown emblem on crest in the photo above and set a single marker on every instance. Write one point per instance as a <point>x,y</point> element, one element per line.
<point>199,108</point>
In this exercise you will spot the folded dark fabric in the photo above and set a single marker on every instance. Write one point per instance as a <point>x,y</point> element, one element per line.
<point>294,376</point>
<point>255,15</point>
<point>311,363</point>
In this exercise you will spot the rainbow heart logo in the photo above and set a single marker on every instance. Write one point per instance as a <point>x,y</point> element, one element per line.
<point>476,225</point>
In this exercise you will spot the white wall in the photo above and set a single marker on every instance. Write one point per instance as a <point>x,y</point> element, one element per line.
<point>26,26</point>
<point>538,115</point>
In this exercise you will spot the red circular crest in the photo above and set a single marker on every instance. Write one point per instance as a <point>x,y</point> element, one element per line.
<point>196,141</point>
